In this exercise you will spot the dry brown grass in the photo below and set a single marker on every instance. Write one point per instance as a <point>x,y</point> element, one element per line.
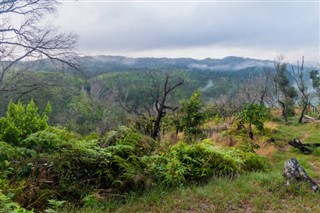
<point>266,149</point>
<point>271,126</point>
<point>224,140</point>
<point>276,112</point>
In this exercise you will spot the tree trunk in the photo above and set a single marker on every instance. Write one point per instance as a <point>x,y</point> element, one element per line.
<point>156,128</point>
<point>302,113</point>
<point>250,132</point>
<point>284,111</point>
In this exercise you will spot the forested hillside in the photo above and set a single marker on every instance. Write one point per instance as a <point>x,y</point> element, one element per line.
<point>113,133</point>
<point>105,89</point>
<point>89,137</point>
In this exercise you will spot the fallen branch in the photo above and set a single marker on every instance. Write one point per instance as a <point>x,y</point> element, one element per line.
<point>304,148</point>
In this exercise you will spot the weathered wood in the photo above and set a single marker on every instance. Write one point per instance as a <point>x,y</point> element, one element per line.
<point>304,148</point>
<point>293,172</point>
<point>309,119</point>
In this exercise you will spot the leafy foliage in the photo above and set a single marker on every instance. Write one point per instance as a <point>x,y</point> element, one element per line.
<point>287,93</point>
<point>192,116</point>
<point>22,121</point>
<point>51,163</point>
<point>314,75</point>
<point>7,205</point>
<point>254,114</point>
<point>184,162</point>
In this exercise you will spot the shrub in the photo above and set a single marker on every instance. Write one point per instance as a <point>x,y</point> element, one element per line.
<point>21,121</point>
<point>7,205</point>
<point>192,116</point>
<point>124,166</point>
<point>183,163</point>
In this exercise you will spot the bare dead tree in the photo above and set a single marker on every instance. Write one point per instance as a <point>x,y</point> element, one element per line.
<point>160,94</point>
<point>151,113</point>
<point>227,108</point>
<point>24,41</point>
<point>255,88</point>
<point>298,78</point>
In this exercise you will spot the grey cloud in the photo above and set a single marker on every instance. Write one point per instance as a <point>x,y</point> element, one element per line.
<point>145,26</point>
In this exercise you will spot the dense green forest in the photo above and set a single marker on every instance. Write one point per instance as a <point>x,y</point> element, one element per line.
<point>111,133</point>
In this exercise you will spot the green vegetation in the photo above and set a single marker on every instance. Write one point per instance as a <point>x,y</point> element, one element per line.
<point>253,114</point>
<point>192,116</point>
<point>52,169</point>
<point>137,135</point>
<point>51,164</point>
<point>92,151</point>
<point>21,121</point>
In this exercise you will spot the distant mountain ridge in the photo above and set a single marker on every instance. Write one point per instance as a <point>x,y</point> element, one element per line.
<point>230,63</point>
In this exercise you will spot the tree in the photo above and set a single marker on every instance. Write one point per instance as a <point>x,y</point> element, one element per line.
<point>314,75</point>
<point>147,113</point>
<point>253,114</point>
<point>192,115</point>
<point>285,92</point>
<point>160,95</point>
<point>24,41</point>
<point>255,88</point>
<point>298,77</point>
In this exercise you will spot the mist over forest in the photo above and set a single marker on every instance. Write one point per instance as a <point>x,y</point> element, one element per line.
<point>154,106</point>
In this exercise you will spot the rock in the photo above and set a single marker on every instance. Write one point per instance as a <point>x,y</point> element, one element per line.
<point>293,172</point>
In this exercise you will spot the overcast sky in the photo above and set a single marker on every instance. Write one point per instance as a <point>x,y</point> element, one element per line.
<point>203,29</point>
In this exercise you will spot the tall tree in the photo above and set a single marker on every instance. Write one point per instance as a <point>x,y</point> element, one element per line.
<point>148,112</point>
<point>298,78</point>
<point>24,41</point>
<point>285,92</point>
<point>160,93</point>
<point>314,75</point>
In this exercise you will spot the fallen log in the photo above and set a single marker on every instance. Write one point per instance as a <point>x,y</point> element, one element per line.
<point>293,172</point>
<point>309,119</point>
<point>306,148</point>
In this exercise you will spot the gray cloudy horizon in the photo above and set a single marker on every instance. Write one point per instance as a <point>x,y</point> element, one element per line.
<point>199,30</point>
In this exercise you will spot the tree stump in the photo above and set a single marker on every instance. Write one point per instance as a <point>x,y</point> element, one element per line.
<point>293,172</point>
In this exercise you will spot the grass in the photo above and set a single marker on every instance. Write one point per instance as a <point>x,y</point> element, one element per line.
<point>254,192</point>
<point>251,192</point>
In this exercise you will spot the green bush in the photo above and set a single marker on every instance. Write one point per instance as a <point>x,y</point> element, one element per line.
<point>249,160</point>
<point>192,116</point>
<point>21,121</point>
<point>7,205</point>
<point>124,166</point>
<point>184,162</point>
<point>8,152</point>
